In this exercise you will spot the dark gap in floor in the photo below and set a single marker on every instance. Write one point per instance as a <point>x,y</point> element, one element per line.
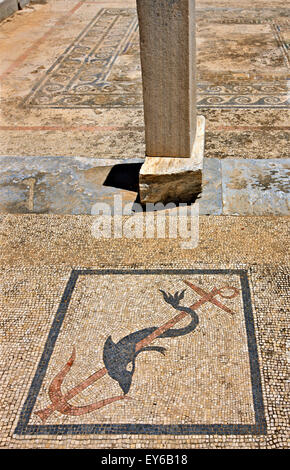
<point>126,176</point>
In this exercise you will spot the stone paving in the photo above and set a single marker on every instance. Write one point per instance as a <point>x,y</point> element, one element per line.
<point>140,343</point>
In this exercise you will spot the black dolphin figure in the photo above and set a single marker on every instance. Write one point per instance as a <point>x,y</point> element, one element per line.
<point>118,356</point>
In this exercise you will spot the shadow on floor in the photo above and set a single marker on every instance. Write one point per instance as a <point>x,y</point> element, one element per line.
<point>126,176</point>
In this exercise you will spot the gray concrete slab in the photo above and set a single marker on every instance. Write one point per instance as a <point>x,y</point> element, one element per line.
<point>8,7</point>
<point>255,187</point>
<point>22,3</point>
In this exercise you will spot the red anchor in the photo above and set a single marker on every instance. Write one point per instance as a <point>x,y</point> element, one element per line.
<point>59,402</point>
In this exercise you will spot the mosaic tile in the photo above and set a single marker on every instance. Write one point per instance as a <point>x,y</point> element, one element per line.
<point>255,187</point>
<point>44,255</point>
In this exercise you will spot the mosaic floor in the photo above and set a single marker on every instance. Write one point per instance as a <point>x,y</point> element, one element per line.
<point>67,185</point>
<point>191,352</point>
<point>141,343</point>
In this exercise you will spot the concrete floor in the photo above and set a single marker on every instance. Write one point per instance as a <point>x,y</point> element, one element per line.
<point>66,122</point>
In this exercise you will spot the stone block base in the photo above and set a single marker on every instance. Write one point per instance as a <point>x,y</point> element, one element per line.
<point>164,179</point>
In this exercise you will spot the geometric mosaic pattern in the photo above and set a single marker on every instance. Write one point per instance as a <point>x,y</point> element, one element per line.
<point>201,376</point>
<point>101,69</point>
<point>84,75</point>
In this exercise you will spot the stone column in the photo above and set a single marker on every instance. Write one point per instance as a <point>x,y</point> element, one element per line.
<point>167,46</point>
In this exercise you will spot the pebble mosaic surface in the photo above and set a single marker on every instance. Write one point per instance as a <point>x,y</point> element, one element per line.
<point>100,345</point>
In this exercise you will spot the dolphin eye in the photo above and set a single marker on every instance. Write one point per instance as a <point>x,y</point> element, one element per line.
<point>129,367</point>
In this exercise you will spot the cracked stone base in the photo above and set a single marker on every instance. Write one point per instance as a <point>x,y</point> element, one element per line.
<point>164,179</point>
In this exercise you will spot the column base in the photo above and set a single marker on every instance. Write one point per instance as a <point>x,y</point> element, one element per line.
<point>163,179</point>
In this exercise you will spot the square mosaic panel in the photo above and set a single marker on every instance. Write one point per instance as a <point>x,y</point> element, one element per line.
<point>101,67</point>
<point>149,352</point>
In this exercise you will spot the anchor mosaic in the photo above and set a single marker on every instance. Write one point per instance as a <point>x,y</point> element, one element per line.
<point>93,351</point>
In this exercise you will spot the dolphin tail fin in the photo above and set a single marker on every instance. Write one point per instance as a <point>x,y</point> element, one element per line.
<point>173,299</point>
